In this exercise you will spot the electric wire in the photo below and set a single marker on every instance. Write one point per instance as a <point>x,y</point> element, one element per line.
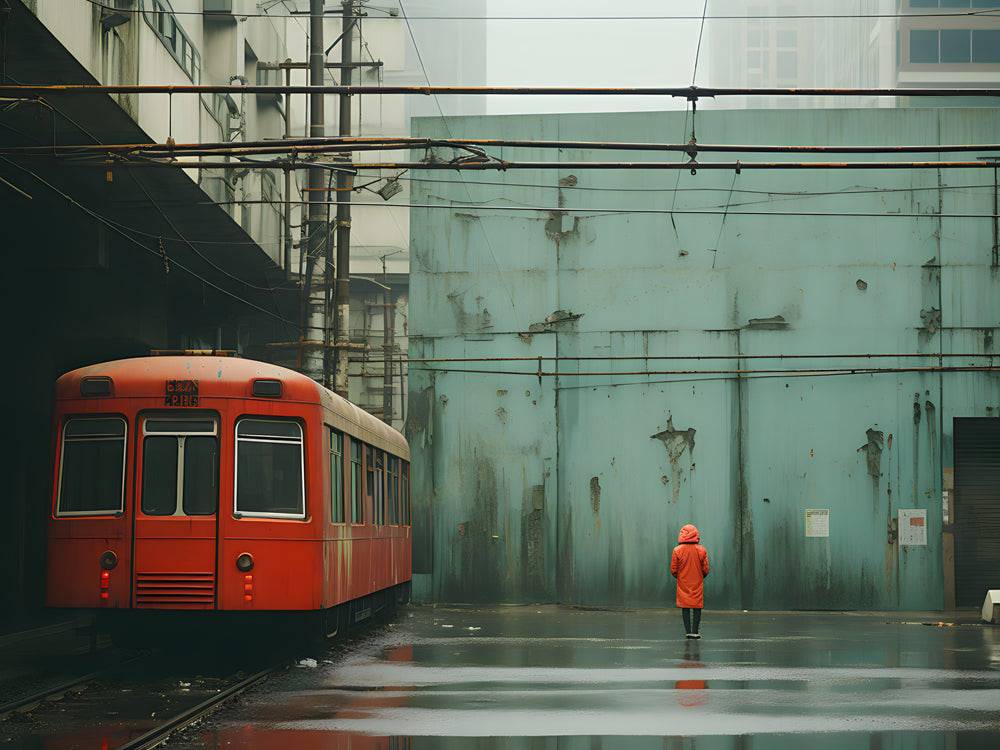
<point>73,201</point>
<point>447,126</point>
<point>989,12</point>
<point>599,211</point>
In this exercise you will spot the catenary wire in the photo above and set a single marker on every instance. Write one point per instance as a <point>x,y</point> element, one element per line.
<point>674,17</point>
<point>70,199</point>
<point>597,211</point>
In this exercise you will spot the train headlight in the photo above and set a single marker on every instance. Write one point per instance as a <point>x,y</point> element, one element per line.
<point>245,562</point>
<point>109,560</point>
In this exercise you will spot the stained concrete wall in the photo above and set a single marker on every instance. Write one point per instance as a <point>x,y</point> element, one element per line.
<point>573,488</point>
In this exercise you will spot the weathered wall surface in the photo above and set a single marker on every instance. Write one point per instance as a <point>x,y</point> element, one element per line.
<point>573,488</point>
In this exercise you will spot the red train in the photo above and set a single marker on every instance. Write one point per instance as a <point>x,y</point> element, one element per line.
<point>212,484</point>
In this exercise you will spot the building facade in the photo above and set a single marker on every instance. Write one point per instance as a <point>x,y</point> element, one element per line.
<point>877,43</point>
<point>637,365</point>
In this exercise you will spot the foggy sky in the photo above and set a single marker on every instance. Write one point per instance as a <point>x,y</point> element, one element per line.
<point>590,53</point>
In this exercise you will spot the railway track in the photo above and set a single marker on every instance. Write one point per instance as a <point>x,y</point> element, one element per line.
<point>158,735</point>
<point>40,696</point>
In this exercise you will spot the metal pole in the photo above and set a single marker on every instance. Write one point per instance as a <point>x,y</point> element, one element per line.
<point>315,294</point>
<point>345,185</point>
<point>287,223</point>
<point>388,325</point>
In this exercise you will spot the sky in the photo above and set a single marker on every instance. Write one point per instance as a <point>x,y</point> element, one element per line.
<point>590,53</point>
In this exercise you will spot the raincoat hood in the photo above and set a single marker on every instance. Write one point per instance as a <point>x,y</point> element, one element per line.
<point>689,534</point>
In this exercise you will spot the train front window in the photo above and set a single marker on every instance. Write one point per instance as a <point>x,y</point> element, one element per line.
<point>92,469</point>
<point>269,469</point>
<point>180,467</point>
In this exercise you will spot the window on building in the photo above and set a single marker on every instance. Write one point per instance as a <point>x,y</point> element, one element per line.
<point>956,45</point>
<point>922,4</point>
<point>986,46</point>
<point>787,64</point>
<point>269,469</point>
<point>92,467</point>
<point>357,502</point>
<point>923,46</point>
<point>161,19</point>
<point>336,476</point>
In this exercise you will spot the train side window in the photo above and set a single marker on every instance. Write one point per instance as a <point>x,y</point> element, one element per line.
<point>392,488</point>
<point>405,486</point>
<point>180,467</point>
<point>357,506</point>
<point>270,469</point>
<point>370,481</point>
<point>92,467</point>
<point>337,476</point>
<point>379,487</point>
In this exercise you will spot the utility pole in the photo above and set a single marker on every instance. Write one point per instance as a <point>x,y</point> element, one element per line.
<point>286,232</point>
<point>315,317</point>
<point>388,344</point>
<point>345,186</point>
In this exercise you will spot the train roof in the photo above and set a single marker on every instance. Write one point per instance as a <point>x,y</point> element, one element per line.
<point>231,377</point>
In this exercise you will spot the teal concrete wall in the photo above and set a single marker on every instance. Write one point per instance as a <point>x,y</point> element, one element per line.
<point>572,489</point>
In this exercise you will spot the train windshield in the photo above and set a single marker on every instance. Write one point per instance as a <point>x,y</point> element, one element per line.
<point>269,469</point>
<point>92,472</point>
<point>180,467</point>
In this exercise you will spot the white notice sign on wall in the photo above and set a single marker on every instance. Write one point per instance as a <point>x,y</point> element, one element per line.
<point>818,522</point>
<point>912,527</point>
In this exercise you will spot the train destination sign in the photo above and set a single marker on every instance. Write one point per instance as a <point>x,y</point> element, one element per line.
<point>182,393</point>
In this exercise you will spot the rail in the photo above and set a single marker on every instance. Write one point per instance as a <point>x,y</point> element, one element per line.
<point>158,735</point>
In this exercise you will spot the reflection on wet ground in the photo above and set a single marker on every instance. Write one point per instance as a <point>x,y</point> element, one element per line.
<point>550,677</point>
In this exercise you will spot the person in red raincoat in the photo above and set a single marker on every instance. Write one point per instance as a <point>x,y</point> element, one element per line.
<point>689,565</point>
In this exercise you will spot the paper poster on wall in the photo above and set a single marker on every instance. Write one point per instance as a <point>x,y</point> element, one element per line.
<point>817,522</point>
<point>912,527</point>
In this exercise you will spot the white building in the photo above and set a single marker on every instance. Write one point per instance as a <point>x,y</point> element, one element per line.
<point>878,43</point>
<point>232,42</point>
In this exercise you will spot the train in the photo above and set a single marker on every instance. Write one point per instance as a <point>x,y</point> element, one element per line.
<point>196,487</point>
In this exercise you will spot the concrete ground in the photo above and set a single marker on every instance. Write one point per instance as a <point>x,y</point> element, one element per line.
<point>550,677</point>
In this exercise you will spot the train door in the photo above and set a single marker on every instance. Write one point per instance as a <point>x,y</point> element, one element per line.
<point>177,502</point>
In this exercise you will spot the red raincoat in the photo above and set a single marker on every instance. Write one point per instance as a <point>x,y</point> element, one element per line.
<point>689,565</point>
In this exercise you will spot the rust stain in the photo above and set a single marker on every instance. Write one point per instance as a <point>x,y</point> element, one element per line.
<point>502,415</point>
<point>468,322</point>
<point>595,494</point>
<point>873,452</point>
<point>676,442</point>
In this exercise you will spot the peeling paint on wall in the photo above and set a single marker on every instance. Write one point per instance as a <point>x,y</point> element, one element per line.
<point>677,442</point>
<point>554,320</point>
<point>873,452</point>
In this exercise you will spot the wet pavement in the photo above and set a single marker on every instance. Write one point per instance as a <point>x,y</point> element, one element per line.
<point>548,677</point>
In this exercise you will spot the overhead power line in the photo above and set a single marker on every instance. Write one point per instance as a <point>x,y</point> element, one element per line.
<point>680,92</point>
<point>503,165</point>
<point>336,144</point>
<point>173,262</point>
<point>542,373</point>
<point>599,211</point>
<point>388,16</point>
